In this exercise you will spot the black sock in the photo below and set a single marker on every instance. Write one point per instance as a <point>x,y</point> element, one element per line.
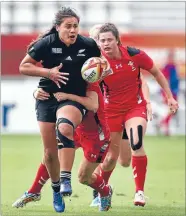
<point>95,194</point>
<point>56,186</point>
<point>65,175</point>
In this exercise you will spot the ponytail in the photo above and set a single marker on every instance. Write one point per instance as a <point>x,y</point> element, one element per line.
<point>42,35</point>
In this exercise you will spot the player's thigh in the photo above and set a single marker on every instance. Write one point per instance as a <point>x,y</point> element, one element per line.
<point>46,110</point>
<point>115,140</point>
<point>72,111</point>
<point>46,117</point>
<point>133,125</point>
<point>48,134</point>
<point>115,124</point>
<point>136,122</point>
<point>136,128</point>
<point>125,153</point>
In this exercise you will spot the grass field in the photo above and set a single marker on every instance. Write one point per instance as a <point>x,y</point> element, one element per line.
<point>165,184</point>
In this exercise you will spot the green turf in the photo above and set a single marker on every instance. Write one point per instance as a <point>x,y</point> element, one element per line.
<point>165,184</point>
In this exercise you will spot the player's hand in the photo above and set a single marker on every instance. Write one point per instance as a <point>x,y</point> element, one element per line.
<point>173,105</point>
<point>58,77</point>
<point>106,73</point>
<point>149,112</point>
<point>106,68</point>
<point>60,96</point>
<point>105,64</point>
<point>40,94</point>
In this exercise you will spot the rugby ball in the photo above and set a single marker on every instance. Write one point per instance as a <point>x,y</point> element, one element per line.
<point>92,69</point>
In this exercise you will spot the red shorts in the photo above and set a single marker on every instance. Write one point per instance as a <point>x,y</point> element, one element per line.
<point>94,149</point>
<point>117,122</point>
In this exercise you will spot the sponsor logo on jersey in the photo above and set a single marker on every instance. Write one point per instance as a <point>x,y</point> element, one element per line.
<point>68,58</point>
<point>131,63</point>
<point>93,156</point>
<point>80,52</point>
<point>57,50</point>
<point>118,66</point>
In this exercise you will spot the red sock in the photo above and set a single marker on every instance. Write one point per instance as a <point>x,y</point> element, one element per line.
<point>105,175</point>
<point>41,177</point>
<point>139,166</point>
<point>100,186</point>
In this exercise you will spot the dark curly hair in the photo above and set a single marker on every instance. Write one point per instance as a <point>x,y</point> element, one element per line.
<point>64,12</point>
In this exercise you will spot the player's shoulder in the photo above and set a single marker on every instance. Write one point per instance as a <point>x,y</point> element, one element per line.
<point>132,51</point>
<point>51,38</point>
<point>87,41</point>
<point>47,40</point>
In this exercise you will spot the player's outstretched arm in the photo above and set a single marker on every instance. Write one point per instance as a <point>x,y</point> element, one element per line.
<point>147,63</point>
<point>158,75</point>
<point>90,102</point>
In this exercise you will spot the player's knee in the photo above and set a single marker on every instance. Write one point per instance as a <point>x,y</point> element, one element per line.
<point>110,160</point>
<point>136,141</point>
<point>65,127</point>
<point>112,156</point>
<point>64,133</point>
<point>83,178</point>
<point>124,163</point>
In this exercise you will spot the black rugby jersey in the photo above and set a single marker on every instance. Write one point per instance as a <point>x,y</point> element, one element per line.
<point>51,51</point>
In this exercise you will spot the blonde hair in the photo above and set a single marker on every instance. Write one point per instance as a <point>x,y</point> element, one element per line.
<point>94,31</point>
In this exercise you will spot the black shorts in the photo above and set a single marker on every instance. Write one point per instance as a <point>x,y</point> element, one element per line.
<point>125,137</point>
<point>46,110</point>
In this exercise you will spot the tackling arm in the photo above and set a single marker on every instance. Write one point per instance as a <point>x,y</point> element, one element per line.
<point>90,101</point>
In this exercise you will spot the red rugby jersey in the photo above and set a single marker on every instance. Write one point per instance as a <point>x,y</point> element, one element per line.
<point>122,89</point>
<point>95,124</point>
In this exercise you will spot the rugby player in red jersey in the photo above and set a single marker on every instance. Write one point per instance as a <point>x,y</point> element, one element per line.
<point>93,136</point>
<point>125,104</point>
<point>124,158</point>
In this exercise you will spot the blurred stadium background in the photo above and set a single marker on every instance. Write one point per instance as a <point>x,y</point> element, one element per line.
<point>157,28</point>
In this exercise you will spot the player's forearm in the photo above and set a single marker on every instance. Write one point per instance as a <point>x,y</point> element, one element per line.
<point>87,102</point>
<point>30,69</point>
<point>160,78</point>
<point>164,84</point>
<point>146,92</point>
